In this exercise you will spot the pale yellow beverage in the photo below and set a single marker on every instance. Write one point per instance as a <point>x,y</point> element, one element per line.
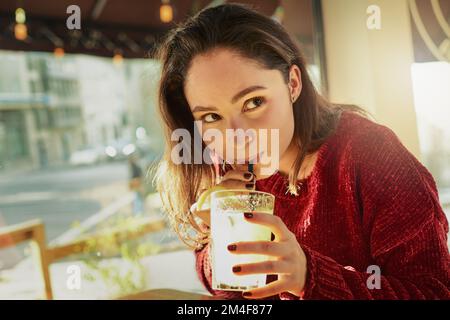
<point>228,225</point>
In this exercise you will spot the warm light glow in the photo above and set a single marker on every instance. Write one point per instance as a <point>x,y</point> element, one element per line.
<point>431,81</point>
<point>20,15</point>
<point>166,13</point>
<point>118,59</point>
<point>58,52</point>
<point>20,31</point>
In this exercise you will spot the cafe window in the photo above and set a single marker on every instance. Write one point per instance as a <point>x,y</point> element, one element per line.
<point>431,80</point>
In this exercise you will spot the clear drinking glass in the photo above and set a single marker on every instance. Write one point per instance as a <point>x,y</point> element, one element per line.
<point>228,226</point>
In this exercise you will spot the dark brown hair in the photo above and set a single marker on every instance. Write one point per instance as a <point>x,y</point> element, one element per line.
<point>254,36</point>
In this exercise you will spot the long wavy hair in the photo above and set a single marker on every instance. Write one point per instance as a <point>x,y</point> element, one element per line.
<point>256,37</point>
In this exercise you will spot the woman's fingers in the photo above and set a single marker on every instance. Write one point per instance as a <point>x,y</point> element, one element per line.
<point>238,184</point>
<point>242,175</point>
<point>275,249</point>
<point>240,166</point>
<point>267,267</point>
<point>238,179</point>
<point>274,223</point>
<point>272,289</point>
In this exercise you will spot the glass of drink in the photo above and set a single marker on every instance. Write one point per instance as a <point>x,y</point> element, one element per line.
<point>228,225</point>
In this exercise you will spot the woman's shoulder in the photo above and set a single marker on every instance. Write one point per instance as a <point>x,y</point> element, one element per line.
<point>395,188</point>
<point>358,137</point>
<point>366,147</point>
<point>381,161</point>
<point>355,127</point>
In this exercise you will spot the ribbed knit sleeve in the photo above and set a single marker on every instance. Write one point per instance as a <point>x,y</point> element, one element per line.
<point>403,222</point>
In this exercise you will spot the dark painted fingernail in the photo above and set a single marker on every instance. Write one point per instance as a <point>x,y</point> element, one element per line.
<point>232,247</point>
<point>236,269</point>
<point>248,215</point>
<point>247,294</point>
<point>249,186</point>
<point>248,175</point>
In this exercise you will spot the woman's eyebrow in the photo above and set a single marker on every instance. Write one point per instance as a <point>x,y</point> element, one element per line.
<point>200,109</point>
<point>236,97</point>
<point>246,91</point>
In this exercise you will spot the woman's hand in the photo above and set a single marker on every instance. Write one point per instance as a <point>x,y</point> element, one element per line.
<point>233,179</point>
<point>287,258</point>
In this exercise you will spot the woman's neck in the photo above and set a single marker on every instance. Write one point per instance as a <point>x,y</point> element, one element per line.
<point>288,159</point>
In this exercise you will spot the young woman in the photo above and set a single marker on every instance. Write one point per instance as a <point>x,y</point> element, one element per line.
<point>350,198</point>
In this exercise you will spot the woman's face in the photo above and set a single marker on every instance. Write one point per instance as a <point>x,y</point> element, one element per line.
<point>225,90</point>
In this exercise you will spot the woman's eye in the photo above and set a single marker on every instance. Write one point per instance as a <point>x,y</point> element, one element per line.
<point>210,117</point>
<point>254,103</point>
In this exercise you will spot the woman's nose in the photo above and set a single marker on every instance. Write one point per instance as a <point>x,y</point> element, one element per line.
<point>239,122</point>
<point>236,123</point>
<point>243,134</point>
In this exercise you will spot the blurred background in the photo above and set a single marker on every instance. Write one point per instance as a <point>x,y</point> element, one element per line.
<point>79,131</point>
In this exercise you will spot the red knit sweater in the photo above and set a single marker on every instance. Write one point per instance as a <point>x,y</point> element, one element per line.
<point>367,202</point>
